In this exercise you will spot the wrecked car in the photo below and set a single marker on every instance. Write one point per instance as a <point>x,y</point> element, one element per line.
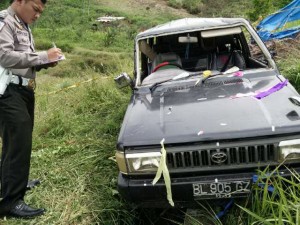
<point>205,112</point>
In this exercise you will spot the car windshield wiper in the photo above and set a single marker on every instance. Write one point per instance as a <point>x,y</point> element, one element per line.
<point>204,76</point>
<point>208,74</point>
<point>155,85</point>
<point>178,77</point>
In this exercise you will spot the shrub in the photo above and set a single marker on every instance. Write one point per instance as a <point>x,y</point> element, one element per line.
<point>275,199</point>
<point>193,6</point>
<point>262,8</point>
<point>177,4</point>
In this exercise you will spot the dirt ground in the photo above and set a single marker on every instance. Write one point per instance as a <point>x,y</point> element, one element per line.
<point>285,46</point>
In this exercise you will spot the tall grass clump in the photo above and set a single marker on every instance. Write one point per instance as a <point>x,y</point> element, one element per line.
<point>288,51</point>
<point>275,199</point>
<point>293,74</point>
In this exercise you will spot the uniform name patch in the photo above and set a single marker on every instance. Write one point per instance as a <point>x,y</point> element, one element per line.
<point>1,25</point>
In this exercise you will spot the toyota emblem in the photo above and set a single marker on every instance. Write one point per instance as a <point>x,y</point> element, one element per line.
<point>219,157</point>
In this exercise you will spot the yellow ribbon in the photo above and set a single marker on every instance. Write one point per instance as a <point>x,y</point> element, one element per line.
<point>206,73</point>
<point>72,86</point>
<point>163,169</point>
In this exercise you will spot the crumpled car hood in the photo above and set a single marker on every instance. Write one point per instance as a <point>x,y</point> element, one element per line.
<point>214,111</point>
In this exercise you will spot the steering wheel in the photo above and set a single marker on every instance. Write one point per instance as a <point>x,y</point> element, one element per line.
<point>166,64</point>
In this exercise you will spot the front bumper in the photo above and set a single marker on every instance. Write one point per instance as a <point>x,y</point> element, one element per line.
<point>142,193</point>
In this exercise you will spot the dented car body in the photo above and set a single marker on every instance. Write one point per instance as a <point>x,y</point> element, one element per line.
<point>223,113</point>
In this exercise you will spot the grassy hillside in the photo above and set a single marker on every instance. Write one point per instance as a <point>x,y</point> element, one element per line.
<point>79,110</point>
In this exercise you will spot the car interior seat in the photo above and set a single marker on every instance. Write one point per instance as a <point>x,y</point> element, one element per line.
<point>166,60</point>
<point>227,55</point>
<point>209,46</point>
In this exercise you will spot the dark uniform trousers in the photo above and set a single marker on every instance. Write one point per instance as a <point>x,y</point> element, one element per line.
<point>16,126</point>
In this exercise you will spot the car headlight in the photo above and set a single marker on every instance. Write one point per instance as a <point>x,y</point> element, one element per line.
<point>138,163</point>
<point>290,150</point>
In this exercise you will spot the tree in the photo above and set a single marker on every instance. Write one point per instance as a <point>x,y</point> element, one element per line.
<point>261,8</point>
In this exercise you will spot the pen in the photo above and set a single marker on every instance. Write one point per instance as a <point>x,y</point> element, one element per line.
<point>54,46</point>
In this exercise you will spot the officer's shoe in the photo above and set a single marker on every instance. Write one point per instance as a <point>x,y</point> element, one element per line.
<point>22,210</point>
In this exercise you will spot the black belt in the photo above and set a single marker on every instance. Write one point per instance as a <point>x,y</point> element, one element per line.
<point>22,81</point>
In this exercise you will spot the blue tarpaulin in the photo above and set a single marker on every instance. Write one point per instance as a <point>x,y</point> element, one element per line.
<point>273,26</point>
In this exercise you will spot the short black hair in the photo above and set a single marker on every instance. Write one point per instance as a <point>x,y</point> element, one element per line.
<point>43,1</point>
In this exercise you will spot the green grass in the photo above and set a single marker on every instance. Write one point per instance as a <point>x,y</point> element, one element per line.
<point>207,8</point>
<point>79,112</point>
<point>280,206</point>
<point>288,25</point>
<point>75,138</point>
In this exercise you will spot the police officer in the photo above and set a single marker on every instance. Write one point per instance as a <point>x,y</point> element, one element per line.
<point>17,53</point>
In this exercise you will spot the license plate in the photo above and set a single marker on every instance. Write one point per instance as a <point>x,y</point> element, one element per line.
<point>221,189</point>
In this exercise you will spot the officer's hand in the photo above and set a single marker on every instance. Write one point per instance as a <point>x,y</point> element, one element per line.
<point>54,54</point>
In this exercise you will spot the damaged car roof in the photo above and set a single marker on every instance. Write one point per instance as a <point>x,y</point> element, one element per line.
<point>190,24</point>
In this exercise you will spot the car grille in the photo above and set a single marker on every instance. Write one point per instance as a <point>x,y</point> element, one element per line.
<point>224,157</point>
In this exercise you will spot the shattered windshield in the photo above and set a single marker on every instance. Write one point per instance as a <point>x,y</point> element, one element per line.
<point>190,54</point>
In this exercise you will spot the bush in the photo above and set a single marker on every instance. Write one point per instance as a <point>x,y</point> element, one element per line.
<point>262,8</point>
<point>275,199</point>
<point>177,4</point>
<point>293,74</point>
<point>193,6</point>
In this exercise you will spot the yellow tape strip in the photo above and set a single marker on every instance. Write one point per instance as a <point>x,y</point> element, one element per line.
<point>72,86</point>
<point>163,169</point>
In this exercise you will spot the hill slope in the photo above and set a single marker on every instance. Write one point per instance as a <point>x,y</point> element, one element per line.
<point>79,110</point>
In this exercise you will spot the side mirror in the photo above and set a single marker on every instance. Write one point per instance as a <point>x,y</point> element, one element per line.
<point>123,80</point>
